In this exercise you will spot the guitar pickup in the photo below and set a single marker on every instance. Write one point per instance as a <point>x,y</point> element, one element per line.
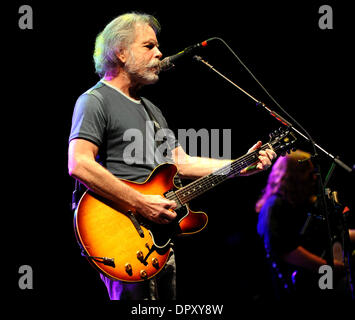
<point>171,195</point>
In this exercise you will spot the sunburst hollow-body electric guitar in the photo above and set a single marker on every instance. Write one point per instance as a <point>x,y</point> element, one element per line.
<point>124,246</point>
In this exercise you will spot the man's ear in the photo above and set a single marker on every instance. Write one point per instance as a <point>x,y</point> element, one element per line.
<point>121,56</point>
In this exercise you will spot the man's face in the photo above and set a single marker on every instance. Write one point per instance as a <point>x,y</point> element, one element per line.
<point>143,56</point>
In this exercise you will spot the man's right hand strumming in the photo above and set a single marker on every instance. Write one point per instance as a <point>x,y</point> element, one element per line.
<point>157,209</point>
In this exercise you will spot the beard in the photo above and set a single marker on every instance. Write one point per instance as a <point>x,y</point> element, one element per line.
<point>141,72</point>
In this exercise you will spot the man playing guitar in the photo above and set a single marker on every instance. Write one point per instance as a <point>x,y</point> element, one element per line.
<point>127,57</point>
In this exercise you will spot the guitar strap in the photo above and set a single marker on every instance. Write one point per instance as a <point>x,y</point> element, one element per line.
<point>157,126</point>
<point>75,195</point>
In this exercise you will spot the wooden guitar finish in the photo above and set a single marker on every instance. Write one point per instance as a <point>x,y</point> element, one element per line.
<point>124,246</point>
<point>105,231</point>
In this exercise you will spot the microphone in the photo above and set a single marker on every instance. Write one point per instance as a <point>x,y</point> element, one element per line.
<point>168,62</point>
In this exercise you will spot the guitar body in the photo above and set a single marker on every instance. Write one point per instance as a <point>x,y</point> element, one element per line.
<point>123,246</point>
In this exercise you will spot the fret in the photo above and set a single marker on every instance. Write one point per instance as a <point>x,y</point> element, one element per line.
<point>208,182</point>
<point>201,185</point>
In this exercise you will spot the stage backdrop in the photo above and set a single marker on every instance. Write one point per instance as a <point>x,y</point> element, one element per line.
<point>304,60</point>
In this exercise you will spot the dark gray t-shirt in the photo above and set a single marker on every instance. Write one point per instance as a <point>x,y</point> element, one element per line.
<point>129,145</point>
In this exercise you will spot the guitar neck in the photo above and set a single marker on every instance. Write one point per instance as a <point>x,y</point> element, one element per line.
<point>201,185</point>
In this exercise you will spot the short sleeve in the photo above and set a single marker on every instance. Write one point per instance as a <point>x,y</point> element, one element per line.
<point>89,121</point>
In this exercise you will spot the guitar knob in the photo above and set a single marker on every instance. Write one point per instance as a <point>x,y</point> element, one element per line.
<point>155,263</point>
<point>143,274</point>
<point>140,255</point>
<point>128,268</point>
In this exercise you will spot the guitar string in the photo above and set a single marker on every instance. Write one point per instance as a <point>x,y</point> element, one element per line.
<point>209,182</point>
<point>205,183</point>
<point>173,197</point>
<point>218,176</point>
<point>213,179</point>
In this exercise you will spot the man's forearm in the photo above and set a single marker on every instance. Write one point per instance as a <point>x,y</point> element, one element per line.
<point>102,182</point>
<point>196,167</point>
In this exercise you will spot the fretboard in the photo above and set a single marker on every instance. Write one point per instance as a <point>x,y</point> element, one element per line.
<point>208,182</point>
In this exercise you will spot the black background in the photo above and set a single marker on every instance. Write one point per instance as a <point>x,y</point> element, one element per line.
<point>309,71</point>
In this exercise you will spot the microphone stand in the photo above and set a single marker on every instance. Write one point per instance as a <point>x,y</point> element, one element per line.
<point>278,117</point>
<point>315,156</point>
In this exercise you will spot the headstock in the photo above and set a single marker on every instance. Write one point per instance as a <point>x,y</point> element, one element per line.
<point>282,141</point>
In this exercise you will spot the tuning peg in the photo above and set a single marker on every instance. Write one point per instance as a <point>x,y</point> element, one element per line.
<point>274,135</point>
